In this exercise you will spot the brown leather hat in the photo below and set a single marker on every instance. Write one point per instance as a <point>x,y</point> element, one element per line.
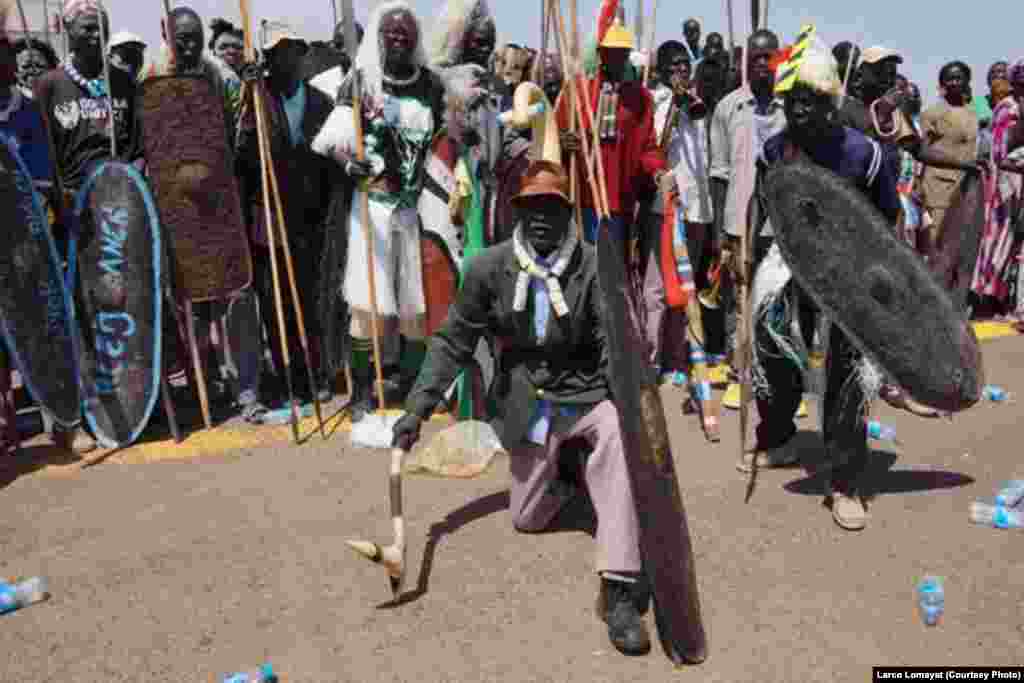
<point>543,178</point>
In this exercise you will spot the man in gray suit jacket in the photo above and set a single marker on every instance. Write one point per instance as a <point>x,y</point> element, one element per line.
<point>537,296</point>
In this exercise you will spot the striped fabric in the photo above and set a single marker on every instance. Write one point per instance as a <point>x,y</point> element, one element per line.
<point>785,76</point>
<point>684,269</point>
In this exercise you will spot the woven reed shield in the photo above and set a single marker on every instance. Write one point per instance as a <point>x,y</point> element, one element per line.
<point>190,165</point>
<point>847,258</point>
<point>35,309</point>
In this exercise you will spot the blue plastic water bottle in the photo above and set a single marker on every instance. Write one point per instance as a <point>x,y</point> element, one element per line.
<point>881,432</point>
<point>994,393</point>
<point>931,599</point>
<point>997,516</point>
<point>1011,493</point>
<point>14,596</point>
<point>264,674</point>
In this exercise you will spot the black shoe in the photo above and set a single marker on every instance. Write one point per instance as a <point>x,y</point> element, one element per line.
<point>617,606</point>
<point>360,404</point>
<point>358,409</point>
<point>394,386</point>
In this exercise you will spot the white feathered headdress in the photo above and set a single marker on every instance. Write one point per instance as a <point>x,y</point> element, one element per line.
<point>451,27</point>
<point>370,61</point>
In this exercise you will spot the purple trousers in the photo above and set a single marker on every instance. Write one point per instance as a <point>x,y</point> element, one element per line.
<point>538,494</point>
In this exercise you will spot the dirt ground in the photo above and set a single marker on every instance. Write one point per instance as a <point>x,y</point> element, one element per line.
<point>186,571</point>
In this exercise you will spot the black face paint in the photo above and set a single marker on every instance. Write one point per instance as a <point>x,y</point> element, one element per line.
<point>545,221</point>
<point>127,58</point>
<point>31,65</point>
<point>84,35</point>
<point>478,45</point>
<point>809,115</point>
<point>691,31</point>
<point>613,63</point>
<point>399,38</point>
<point>188,41</point>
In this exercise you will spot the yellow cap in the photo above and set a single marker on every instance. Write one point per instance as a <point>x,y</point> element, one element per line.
<point>618,36</point>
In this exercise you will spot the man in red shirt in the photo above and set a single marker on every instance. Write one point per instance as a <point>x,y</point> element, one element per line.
<point>629,152</point>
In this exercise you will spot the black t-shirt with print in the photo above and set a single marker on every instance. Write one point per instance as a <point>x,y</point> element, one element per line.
<point>79,123</point>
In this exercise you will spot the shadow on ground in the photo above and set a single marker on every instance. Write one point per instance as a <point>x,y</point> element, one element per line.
<point>881,477</point>
<point>32,458</point>
<point>577,516</point>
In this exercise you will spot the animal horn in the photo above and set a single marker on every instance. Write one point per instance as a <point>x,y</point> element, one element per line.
<point>392,556</point>
<point>531,108</point>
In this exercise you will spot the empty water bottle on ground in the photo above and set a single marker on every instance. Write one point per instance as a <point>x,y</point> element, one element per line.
<point>1011,493</point>
<point>931,599</point>
<point>994,393</point>
<point>996,515</point>
<point>881,432</point>
<point>14,596</point>
<point>264,674</point>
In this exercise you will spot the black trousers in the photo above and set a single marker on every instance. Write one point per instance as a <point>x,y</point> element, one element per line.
<point>307,272</point>
<point>845,434</point>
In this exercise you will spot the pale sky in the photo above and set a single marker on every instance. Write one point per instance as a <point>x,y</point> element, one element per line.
<point>928,33</point>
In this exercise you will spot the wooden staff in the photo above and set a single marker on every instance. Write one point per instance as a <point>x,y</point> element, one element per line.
<point>595,192</point>
<point>264,143</point>
<point>262,136</point>
<point>846,76</point>
<point>569,50</point>
<point>368,235</point>
<point>197,364</point>
<point>545,23</point>
<point>650,42</point>
<point>290,268</point>
<point>732,35</point>
<point>594,155</point>
<point>172,47</point>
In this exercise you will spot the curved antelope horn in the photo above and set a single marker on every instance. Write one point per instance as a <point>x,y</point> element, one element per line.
<point>531,107</point>
<point>392,556</point>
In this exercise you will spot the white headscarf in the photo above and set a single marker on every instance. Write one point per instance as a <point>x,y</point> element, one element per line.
<point>370,61</point>
<point>449,32</point>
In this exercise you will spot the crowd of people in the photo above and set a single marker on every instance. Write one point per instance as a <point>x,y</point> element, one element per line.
<point>683,134</point>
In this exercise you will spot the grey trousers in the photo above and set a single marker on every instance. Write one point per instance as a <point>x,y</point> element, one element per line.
<point>538,494</point>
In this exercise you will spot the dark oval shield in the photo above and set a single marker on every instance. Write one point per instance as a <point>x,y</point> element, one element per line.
<point>188,160</point>
<point>881,294</point>
<point>35,308</point>
<point>666,547</point>
<point>115,253</point>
